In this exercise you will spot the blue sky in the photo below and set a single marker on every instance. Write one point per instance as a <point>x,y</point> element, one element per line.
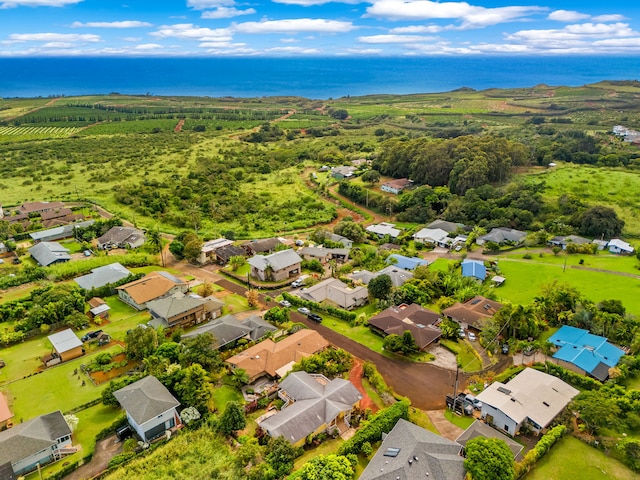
<point>316,28</point>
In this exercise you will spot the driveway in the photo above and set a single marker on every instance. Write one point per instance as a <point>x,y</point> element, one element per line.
<point>105,450</point>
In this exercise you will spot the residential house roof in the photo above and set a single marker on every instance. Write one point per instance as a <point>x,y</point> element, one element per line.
<point>164,309</point>
<point>474,311</point>
<point>531,394</point>
<point>145,399</point>
<point>31,207</point>
<point>335,291</point>
<point>431,235</point>
<point>481,429</point>
<point>383,229</point>
<point>121,235</point>
<point>213,245</point>
<point>345,170</point>
<point>152,286</point>
<point>46,253</point>
<point>96,302</point>
<point>226,252</point>
<point>503,234</point>
<point>564,240</point>
<point>413,318</point>
<point>449,227</point>
<point>398,276</point>
<point>340,239</point>
<point>60,232</point>
<point>410,452</point>
<point>64,341</point>
<point>321,252</point>
<point>591,353</point>
<point>474,268</point>
<point>57,213</point>
<point>100,309</point>
<point>620,244</point>
<point>28,438</point>
<point>5,411</point>
<point>315,404</point>
<point>398,184</point>
<point>277,260</point>
<point>267,357</point>
<point>406,263</point>
<point>262,245</point>
<point>101,276</point>
<point>228,329</point>
<point>389,246</point>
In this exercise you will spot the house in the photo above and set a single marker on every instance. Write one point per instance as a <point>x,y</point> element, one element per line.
<point>3,249</point>
<point>336,292</point>
<point>224,254</point>
<point>497,280</point>
<point>183,310</point>
<point>448,227</point>
<point>265,245</point>
<point>58,233</point>
<point>227,330</point>
<point>502,236</point>
<point>616,245</point>
<point>98,308</point>
<point>585,353</point>
<point>410,452</point>
<point>473,313</point>
<point>153,286</point>
<point>398,276</point>
<point>121,237</point>
<point>480,429</point>
<point>5,413</point>
<point>431,236</point>
<point>325,255</point>
<point>275,360</point>
<point>531,396</point>
<point>29,208</point>
<point>343,172</point>
<point>421,322</point>
<point>396,186</point>
<point>41,440</point>
<point>406,263</point>
<point>386,247</point>
<point>347,243</point>
<point>208,250</point>
<point>383,229</point>
<point>602,244</point>
<point>102,276</point>
<point>474,269</point>
<point>563,241</point>
<point>58,213</point>
<point>313,405</point>
<point>49,253</point>
<point>150,407</point>
<point>66,346</point>
<point>277,266</point>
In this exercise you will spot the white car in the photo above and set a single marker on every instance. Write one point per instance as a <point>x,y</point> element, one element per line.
<point>285,303</point>
<point>297,283</point>
<point>471,336</point>
<point>304,310</point>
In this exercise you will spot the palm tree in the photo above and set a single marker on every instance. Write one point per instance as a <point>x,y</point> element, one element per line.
<point>239,377</point>
<point>155,239</point>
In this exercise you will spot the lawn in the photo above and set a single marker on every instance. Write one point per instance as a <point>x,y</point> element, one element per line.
<point>224,394</point>
<point>466,355</point>
<point>441,265</point>
<point>234,303</point>
<point>570,459</point>
<point>327,447</point>
<point>460,421</point>
<point>602,260</point>
<point>23,359</point>
<point>595,286</point>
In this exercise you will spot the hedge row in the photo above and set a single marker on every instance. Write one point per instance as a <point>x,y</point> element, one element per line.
<point>581,382</point>
<point>545,443</point>
<point>371,431</point>
<point>67,469</point>
<point>336,312</point>
<point>375,379</point>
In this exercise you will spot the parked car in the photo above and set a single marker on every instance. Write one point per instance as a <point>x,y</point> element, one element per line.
<point>461,333</point>
<point>458,248</point>
<point>16,261</point>
<point>297,283</point>
<point>87,253</point>
<point>314,317</point>
<point>477,404</point>
<point>304,310</point>
<point>505,348</point>
<point>471,336</point>
<point>285,303</point>
<point>459,405</point>
<point>299,243</point>
<point>91,335</point>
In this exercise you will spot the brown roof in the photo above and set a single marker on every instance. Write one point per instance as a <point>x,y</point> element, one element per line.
<point>57,213</point>
<point>96,302</point>
<point>5,412</point>
<point>151,286</point>
<point>414,318</point>
<point>473,312</point>
<point>398,183</point>
<point>30,207</point>
<point>263,245</point>
<point>268,356</point>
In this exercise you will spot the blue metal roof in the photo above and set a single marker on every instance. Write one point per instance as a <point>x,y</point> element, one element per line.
<point>474,268</point>
<point>406,263</point>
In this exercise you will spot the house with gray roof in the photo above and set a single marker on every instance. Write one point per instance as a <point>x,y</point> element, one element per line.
<point>58,233</point>
<point>336,292</point>
<point>183,310</point>
<point>277,266</point>
<point>419,321</point>
<point>502,236</point>
<point>66,346</point>
<point>410,452</point>
<point>334,237</point>
<point>263,245</point>
<point>41,440</point>
<point>448,227</point>
<point>383,229</point>
<point>563,241</point>
<point>102,276</point>
<point>48,253</point>
<point>481,429</point>
<point>121,237</point>
<point>398,276</point>
<point>150,407</point>
<point>227,330</point>
<point>313,404</point>
<point>325,255</point>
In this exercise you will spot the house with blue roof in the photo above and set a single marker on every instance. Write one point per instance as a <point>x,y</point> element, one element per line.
<point>475,269</point>
<point>406,263</point>
<point>585,352</point>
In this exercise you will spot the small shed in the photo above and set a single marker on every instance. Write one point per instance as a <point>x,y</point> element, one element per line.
<point>99,308</point>
<point>497,280</point>
<point>66,345</point>
<point>475,269</point>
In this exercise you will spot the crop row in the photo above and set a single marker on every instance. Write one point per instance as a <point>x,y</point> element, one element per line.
<point>56,132</point>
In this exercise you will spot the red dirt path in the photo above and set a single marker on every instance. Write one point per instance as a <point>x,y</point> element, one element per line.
<point>355,377</point>
<point>178,127</point>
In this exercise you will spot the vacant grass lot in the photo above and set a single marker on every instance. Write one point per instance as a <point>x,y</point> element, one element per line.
<point>570,459</point>
<point>466,355</point>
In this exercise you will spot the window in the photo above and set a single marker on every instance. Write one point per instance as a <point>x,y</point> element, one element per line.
<point>506,428</point>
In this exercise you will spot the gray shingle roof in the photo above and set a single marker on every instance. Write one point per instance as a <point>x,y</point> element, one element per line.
<point>121,235</point>
<point>60,232</point>
<point>173,305</point>
<point>145,399</point>
<point>46,253</point>
<point>64,341</point>
<point>101,276</point>
<point>480,429</point>
<point>428,453</point>
<point>30,437</point>
<point>225,330</point>
<point>277,260</point>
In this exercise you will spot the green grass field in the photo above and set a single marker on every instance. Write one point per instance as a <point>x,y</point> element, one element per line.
<point>466,355</point>
<point>570,459</point>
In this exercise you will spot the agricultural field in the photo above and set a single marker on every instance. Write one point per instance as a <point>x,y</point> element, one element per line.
<point>35,133</point>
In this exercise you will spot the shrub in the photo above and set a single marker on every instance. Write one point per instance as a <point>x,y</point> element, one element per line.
<point>542,447</point>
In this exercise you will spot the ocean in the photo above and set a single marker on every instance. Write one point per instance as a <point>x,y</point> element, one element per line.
<point>317,78</point>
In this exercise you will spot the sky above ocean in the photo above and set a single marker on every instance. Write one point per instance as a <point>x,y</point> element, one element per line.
<point>316,28</point>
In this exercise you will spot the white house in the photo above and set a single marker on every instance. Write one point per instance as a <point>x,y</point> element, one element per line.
<point>431,236</point>
<point>150,407</point>
<point>531,396</point>
<point>383,229</point>
<point>618,246</point>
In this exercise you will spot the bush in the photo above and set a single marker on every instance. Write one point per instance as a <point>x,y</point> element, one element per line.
<point>581,382</point>
<point>545,443</point>
<point>336,312</point>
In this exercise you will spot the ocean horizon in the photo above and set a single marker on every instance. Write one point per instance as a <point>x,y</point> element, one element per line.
<point>316,78</point>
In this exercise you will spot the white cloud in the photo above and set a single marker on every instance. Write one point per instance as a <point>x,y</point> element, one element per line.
<point>289,40</point>
<point>148,46</point>
<point>227,12</point>
<point>206,4</point>
<point>609,18</point>
<point>37,3</point>
<point>58,45</point>
<point>567,16</point>
<point>299,50</point>
<point>361,51</point>
<point>132,39</point>
<point>298,25</point>
<point>572,33</point>
<point>421,29</point>
<point>53,37</point>
<point>221,45</point>
<point>122,24</point>
<point>309,3</point>
<point>470,16</point>
<point>188,31</point>
<point>394,39</point>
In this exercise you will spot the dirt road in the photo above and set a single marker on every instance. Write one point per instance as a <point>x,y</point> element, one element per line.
<point>105,450</point>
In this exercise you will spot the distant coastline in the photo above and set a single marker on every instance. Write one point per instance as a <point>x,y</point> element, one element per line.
<point>318,78</point>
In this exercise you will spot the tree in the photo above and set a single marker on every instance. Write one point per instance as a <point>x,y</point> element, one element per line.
<point>232,419</point>
<point>350,229</point>
<point>199,349</point>
<point>408,343</point>
<point>599,221</point>
<point>277,315</point>
<point>281,456</point>
<point>140,343</point>
<point>327,467</point>
<point>236,262</point>
<point>72,421</point>
<point>380,287</point>
<point>177,249</point>
<point>597,410</point>
<point>239,377</point>
<point>371,177</point>
<point>489,459</point>
<point>193,388</point>
<point>252,297</point>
